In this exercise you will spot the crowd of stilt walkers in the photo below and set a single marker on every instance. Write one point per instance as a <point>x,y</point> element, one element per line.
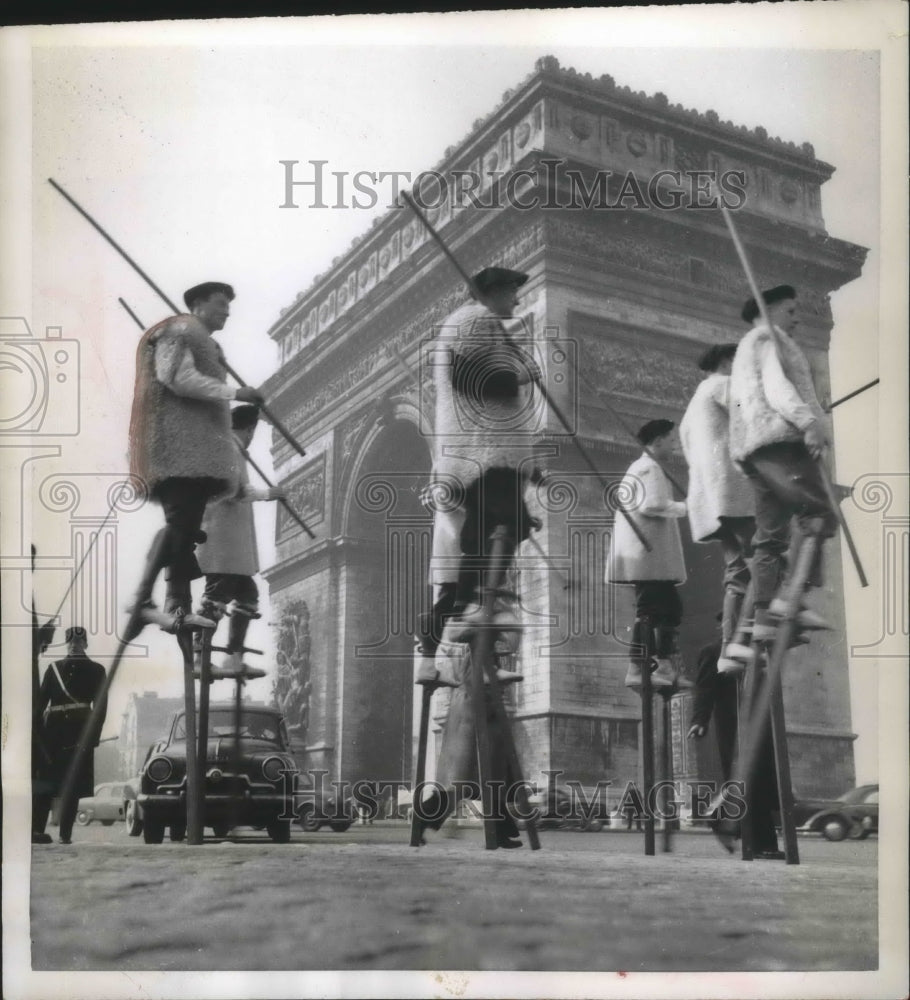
<point>754,437</point>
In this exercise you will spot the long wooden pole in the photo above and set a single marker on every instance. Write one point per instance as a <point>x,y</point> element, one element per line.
<point>272,419</point>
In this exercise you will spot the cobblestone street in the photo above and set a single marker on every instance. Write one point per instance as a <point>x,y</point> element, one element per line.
<point>365,900</point>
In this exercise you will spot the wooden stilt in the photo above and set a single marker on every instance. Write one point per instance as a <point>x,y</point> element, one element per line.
<point>743,733</point>
<point>481,653</point>
<point>762,709</point>
<point>420,769</point>
<point>193,796</point>
<point>647,735</point>
<point>784,784</point>
<point>665,756</point>
<point>483,666</point>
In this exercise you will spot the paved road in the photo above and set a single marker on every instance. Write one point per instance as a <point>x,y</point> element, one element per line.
<point>365,900</point>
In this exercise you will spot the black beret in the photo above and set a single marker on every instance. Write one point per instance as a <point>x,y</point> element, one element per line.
<point>497,277</point>
<point>205,291</point>
<point>75,632</point>
<point>711,360</point>
<point>777,294</point>
<point>654,429</point>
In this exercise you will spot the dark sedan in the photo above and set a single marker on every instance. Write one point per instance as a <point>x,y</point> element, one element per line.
<point>250,776</point>
<point>854,814</point>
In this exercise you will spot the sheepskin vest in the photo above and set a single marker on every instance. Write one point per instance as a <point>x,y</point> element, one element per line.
<point>717,488</point>
<point>174,436</point>
<point>754,423</point>
<point>484,418</point>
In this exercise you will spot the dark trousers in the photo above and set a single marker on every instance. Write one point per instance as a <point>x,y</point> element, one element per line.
<point>41,810</point>
<point>494,499</point>
<point>735,537</point>
<point>787,483</point>
<point>223,588</point>
<point>658,602</point>
<point>183,502</point>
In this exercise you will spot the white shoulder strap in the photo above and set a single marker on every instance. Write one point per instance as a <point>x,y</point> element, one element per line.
<point>62,685</point>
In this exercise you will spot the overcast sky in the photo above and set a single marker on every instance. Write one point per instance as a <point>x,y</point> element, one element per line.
<point>172,137</point>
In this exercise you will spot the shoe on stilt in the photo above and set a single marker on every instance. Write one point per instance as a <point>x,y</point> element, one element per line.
<point>507,676</point>
<point>173,621</point>
<point>733,658</point>
<point>633,676</point>
<point>428,670</point>
<point>472,620</point>
<point>806,619</point>
<point>665,675</point>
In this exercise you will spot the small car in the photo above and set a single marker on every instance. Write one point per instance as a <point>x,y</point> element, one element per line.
<point>255,790</point>
<point>105,806</point>
<point>854,814</point>
<point>319,804</point>
<point>562,809</point>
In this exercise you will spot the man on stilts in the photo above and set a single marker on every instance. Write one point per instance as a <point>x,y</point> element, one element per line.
<point>180,442</point>
<point>657,573</point>
<point>483,459</point>
<point>719,502</point>
<point>229,556</point>
<point>778,432</point>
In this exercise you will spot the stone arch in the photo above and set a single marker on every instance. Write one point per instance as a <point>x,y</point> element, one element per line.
<point>387,536</point>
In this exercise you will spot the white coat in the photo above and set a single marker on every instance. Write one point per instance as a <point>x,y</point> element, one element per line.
<point>717,488</point>
<point>230,546</point>
<point>655,512</point>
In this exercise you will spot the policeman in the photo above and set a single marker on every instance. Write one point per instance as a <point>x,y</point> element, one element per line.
<point>69,691</point>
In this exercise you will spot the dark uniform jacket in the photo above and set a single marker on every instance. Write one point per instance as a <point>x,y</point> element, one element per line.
<point>64,709</point>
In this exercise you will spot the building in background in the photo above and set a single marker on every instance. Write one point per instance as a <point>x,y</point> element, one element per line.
<point>145,720</point>
<point>601,194</point>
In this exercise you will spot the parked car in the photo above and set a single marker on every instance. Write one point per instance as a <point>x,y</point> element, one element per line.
<point>318,805</point>
<point>256,791</point>
<point>854,814</point>
<point>105,806</point>
<point>561,809</point>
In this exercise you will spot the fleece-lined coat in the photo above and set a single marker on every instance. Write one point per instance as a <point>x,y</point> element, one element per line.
<point>655,512</point>
<point>175,436</point>
<point>772,396</point>
<point>484,418</point>
<point>230,545</point>
<point>717,488</point>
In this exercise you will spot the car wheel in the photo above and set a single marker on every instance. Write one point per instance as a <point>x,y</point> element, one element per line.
<point>84,817</point>
<point>177,832</point>
<point>279,830</point>
<point>221,829</point>
<point>107,822</point>
<point>835,828</point>
<point>340,827</point>
<point>308,820</point>
<point>132,818</point>
<point>152,830</point>
<point>593,825</point>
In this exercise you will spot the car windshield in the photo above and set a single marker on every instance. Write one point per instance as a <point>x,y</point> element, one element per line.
<point>253,725</point>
